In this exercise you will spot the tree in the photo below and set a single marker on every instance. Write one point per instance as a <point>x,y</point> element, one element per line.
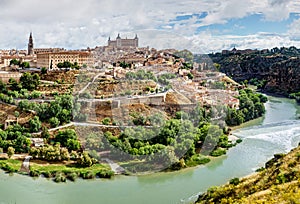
<point>14,62</point>
<point>106,121</point>
<point>63,136</point>
<point>45,133</point>
<point>14,85</point>
<point>85,160</point>
<point>73,144</point>
<point>35,124</point>
<point>22,144</point>
<point>190,75</point>
<point>30,81</point>
<point>16,114</point>
<point>10,152</point>
<point>25,65</point>
<point>54,122</point>
<point>65,116</point>
<point>44,70</point>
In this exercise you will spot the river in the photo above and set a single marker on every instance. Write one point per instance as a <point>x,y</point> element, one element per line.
<point>278,131</point>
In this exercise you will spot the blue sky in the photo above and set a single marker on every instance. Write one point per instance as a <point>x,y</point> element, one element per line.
<point>198,25</point>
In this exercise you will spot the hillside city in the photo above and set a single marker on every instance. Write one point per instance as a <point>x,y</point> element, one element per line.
<point>124,109</point>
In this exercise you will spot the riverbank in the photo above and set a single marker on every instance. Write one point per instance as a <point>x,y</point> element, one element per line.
<point>57,171</point>
<point>278,182</point>
<point>278,132</point>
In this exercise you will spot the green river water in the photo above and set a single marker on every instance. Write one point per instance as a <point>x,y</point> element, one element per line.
<point>278,131</point>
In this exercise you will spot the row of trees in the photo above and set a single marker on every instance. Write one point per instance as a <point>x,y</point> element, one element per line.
<point>251,107</point>
<point>62,110</point>
<point>141,75</point>
<point>19,63</point>
<point>67,64</point>
<point>176,140</point>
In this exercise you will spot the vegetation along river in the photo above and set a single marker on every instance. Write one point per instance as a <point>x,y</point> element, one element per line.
<point>278,131</point>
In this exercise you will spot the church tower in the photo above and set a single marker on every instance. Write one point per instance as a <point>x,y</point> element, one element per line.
<point>30,45</point>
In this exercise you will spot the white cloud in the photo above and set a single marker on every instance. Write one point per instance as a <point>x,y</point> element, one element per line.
<point>206,42</point>
<point>75,24</point>
<point>294,30</point>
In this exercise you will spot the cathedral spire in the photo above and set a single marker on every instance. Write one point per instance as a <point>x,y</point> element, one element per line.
<point>30,45</point>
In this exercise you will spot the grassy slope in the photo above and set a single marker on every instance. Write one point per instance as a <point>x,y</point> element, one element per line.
<point>278,183</point>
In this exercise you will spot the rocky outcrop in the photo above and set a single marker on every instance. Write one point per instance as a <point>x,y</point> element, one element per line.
<point>281,71</point>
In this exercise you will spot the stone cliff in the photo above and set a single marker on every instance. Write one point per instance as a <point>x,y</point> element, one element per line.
<point>280,68</point>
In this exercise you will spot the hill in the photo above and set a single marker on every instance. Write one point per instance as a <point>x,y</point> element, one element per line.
<point>275,71</point>
<point>278,182</point>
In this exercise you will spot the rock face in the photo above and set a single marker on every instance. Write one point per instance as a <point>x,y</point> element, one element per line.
<point>280,68</point>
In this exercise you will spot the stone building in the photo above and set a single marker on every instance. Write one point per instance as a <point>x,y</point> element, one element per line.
<point>5,76</point>
<point>51,59</point>
<point>123,43</point>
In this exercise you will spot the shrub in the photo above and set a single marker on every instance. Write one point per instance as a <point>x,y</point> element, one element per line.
<point>105,174</point>
<point>106,121</point>
<point>218,152</point>
<point>234,181</point>
<point>47,174</point>
<point>59,177</point>
<point>34,173</point>
<point>72,176</point>
<point>87,175</point>
<point>54,122</point>
<point>260,169</point>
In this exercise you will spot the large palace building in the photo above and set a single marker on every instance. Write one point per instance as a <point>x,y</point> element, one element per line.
<point>51,59</point>
<point>123,43</point>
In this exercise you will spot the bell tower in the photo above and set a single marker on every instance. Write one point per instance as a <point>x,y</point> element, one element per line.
<point>30,45</point>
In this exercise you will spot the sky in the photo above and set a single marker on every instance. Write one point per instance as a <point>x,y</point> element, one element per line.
<point>202,26</point>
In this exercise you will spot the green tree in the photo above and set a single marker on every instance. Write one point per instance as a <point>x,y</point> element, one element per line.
<point>63,136</point>
<point>85,160</point>
<point>106,121</point>
<point>44,70</point>
<point>22,144</point>
<point>25,65</point>
<point>10,152</point>
<point>35,124</point>
<point>73,144</point>
<point>54,122</point>
<point>30,81</point>
<point>14,62</point>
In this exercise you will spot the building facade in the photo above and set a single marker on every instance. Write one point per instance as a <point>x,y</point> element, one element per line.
<point>51,59</point>
<point>46,50</point>
<point>123,43</point>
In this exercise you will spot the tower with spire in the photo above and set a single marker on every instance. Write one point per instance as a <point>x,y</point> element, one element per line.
<point>30,45</point>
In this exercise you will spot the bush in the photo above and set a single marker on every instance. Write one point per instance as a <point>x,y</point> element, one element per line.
<point>106,121</point>
<point>87,175</point>
<point>8,168</point>
<point>197,160</point>
<point>260,169</point>
<point>34,173</point>
<point>59,177</point>
<point>218,152</point>
<point>105,174</point>
<point>234,181</point>
<point>54,122</point>
<point>47,174</point>
<point>72,176</point>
